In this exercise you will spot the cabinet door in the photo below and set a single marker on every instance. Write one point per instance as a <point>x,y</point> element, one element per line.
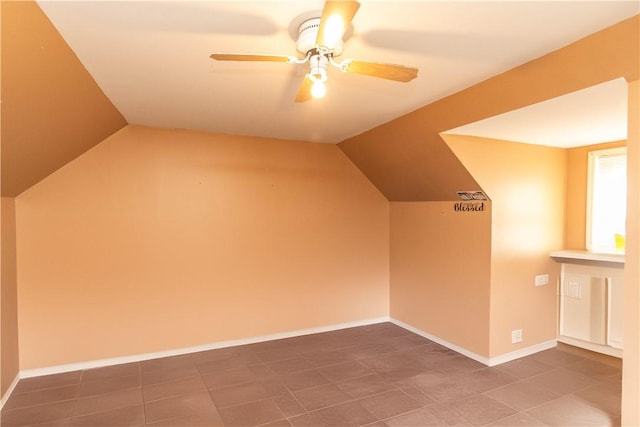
<point>583,307</point>
<point>615,318</point>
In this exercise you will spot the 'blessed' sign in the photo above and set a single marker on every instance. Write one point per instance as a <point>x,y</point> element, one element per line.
<point>468,206</point>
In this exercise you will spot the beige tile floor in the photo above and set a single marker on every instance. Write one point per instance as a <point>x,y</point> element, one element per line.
<point>378,375</point>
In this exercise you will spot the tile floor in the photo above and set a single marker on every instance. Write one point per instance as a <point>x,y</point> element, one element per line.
<point>378,375</point>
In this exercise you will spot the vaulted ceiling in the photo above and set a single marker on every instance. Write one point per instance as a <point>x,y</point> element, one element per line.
<point>75,72</point>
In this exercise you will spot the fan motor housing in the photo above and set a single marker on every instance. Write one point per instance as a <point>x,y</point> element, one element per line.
<point>307,35</point>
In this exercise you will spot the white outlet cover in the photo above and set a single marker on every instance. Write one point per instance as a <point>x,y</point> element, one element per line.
<point>516,336</point>
<point>542,279</point>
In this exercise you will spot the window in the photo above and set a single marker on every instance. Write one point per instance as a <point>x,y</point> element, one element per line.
<point>607,200</point>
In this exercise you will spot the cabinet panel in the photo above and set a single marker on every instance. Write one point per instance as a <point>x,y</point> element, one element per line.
<point>584,307</point>
<point>615,321</point>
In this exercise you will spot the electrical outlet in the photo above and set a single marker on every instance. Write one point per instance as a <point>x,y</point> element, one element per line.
<point>542,279</point>
<point>516,336</point>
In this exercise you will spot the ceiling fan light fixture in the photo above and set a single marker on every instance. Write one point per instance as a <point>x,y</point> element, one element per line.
<point>318,89</point>
<point>319,64</point>
<point>320,40</point>
<point>318,75</point>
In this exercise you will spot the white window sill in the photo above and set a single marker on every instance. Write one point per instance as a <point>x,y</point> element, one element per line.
<point>588,256</point>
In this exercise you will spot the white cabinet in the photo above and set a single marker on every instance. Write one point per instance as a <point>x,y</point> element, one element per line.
<point>591,302</point>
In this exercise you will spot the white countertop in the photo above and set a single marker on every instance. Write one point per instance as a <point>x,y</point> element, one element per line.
<point>588,256</point>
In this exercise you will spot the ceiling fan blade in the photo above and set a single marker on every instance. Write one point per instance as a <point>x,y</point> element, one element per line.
<point>399,73</point>
<point>336,18</point>
<point>304,93</point>
<point>243,57</point>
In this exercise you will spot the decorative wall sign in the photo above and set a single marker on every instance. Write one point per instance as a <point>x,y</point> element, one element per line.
<point>472,195</point>
<point>469,206</point>
<point>473,201</point>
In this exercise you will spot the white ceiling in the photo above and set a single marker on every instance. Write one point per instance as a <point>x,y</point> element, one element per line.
<point>151,58</point>
<point>589,116</point>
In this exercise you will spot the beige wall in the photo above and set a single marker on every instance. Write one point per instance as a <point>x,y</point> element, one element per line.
<point>161,239</point>
<point>8,297</point>
<point>631,359</point>
<point>440,267</point>
<point>526,184</point>
<point>576,203</point>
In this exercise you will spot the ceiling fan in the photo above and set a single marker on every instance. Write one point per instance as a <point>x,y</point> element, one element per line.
<point>320,40</point>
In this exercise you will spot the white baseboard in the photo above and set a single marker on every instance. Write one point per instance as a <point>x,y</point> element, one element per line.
<point>440,341</point>
<point>598,348</point>
<point>180,351</point>
<point>13,385</point>
<point>252,340</point>
<point>527,351</point>
<point>489,361</point>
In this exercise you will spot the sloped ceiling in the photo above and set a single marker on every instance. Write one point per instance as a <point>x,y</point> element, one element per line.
<point>52,109</point>
<point>151,61</point>
<point>398,157</point>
